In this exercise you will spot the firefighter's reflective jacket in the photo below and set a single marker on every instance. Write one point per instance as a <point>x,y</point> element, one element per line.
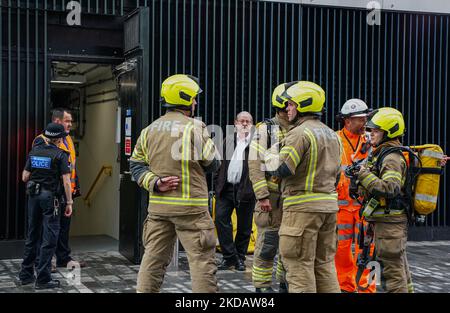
<point>309,163</point>
<point>264,185</point>
<point>175,145</point>
<point>385,185</point>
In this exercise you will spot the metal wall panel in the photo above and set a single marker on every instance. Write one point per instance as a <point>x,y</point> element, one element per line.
<point>23,92</point>
<point>121,7</point>
<point>99,7</point>
<point>242,49</point>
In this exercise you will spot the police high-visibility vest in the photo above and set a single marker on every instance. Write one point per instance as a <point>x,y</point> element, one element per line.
<point>67,145</point>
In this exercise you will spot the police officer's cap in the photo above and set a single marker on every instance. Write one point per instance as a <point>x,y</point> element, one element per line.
<point>54,131</point>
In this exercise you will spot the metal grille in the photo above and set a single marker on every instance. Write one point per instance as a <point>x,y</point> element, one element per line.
<point>131,36</point>
<point>23,90</point>
<point>103,7</point>
<point>242,49</point>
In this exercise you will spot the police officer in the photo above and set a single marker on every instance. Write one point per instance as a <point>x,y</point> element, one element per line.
<point>268,208</point>
<point>63,258</point>
<point>170,160</point>
<point>310,165</point>
<point>47,175</point>
<point>383,184</point>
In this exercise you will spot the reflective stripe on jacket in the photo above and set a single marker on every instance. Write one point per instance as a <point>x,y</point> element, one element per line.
<point>175,145</point>
<point>312,156</point>
<point>386,182</point>
<point>263,186</point>
<point>352,145</point>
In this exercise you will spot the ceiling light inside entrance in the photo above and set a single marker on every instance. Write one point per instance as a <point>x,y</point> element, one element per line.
<point>71,79</point>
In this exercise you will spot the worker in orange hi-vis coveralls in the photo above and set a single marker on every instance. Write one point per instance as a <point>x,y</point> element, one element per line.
<point>353,115</point>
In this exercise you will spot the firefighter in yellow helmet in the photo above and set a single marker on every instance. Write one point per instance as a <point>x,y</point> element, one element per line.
<point>170,160</point>
<point>382,183</point>
<point>309,165</point>
<point>267,214</point>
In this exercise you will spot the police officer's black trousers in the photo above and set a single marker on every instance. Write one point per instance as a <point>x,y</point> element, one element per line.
<point>244,213</point>
<point>62,247</point>
<point>41,219</point>
<point>62,251</point>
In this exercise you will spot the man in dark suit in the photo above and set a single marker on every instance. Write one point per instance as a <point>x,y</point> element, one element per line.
<point>234,191</point>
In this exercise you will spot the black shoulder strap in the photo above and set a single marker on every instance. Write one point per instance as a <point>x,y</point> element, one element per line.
<point>269,122</point>
<point>411,174</point>
<point>412,170</point>
<point>386,151</point>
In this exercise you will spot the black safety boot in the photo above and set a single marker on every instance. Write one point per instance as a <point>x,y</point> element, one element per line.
<point>240,265</point>
<point>283,288</point>
<point>225,265</point>
<point>48,285</point>
<point>27,281</point>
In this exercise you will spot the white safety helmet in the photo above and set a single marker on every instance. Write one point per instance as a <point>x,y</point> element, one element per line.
<point>354,108</point>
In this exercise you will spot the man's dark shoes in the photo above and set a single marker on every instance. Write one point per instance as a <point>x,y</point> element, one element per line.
<point>240,265</point>
<point>27,281</point>
<point>49,285</point>
<point>225,265</point>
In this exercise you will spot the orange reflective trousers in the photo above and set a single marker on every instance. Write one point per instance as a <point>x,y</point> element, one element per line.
<point>348,223</point>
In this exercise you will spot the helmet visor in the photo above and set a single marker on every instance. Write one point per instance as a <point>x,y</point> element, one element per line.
<point>371,125</point>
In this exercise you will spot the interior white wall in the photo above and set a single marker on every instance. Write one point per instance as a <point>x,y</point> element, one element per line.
<point>98,148</point>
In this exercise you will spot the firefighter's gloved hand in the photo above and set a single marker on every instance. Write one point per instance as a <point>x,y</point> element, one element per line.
<point>265,205</point>
<point>167,183</point>
<point>362,169</point>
